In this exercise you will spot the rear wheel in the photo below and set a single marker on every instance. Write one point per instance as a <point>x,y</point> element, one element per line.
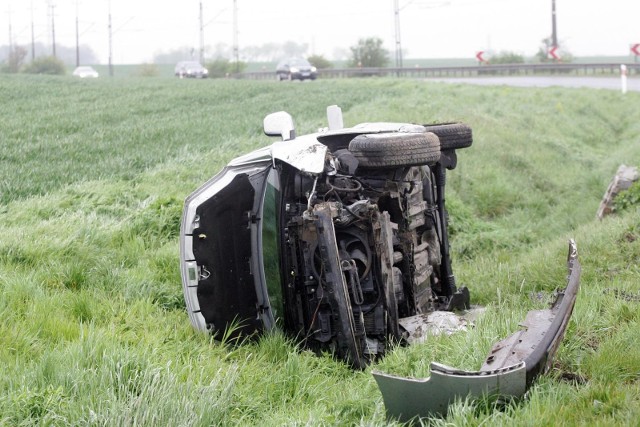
<point>390,150</point>
<point>452,135</point>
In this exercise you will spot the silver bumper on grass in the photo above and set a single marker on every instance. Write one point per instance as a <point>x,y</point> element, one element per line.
<point>510,367</point>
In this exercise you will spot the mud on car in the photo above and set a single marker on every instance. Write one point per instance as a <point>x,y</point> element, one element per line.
<point>358,236</point>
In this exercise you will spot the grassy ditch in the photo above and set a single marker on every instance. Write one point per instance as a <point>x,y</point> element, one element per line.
<point>92,325</point>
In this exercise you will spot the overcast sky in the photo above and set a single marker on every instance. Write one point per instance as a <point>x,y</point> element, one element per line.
<point>429,29</point>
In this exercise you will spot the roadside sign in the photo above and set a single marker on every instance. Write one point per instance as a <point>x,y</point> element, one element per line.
<point>479,56</point>
<point>553,53</point>
<point>635,49</point>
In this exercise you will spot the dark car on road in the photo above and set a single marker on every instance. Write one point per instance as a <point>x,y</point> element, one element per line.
<point>296,69</point>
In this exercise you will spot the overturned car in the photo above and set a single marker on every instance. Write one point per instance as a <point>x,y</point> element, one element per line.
<point>360,234</point>
<point>341,235</point>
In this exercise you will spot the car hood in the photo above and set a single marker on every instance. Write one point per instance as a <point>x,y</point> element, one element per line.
<point>221,239</point>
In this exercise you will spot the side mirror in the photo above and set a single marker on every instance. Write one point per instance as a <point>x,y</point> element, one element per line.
<point>280,124</point>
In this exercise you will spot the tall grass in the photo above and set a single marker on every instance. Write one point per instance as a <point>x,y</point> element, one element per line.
<point>92,325</point>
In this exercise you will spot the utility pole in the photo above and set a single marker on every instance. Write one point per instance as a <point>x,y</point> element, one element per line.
<point>53,28</point>
<point>77,38</point>
<point>396,14</point>
<point>110,44</point>
<point>201,36</point>
<point>554,34</point>
<point>236,52</point>
<point>10,31</point>
<point>33,38</point>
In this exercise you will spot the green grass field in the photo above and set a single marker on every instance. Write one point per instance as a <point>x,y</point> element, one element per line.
<point>92,325</point>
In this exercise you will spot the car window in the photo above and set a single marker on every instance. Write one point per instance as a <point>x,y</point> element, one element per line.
<point>270,245</point>
<point>300,62</point>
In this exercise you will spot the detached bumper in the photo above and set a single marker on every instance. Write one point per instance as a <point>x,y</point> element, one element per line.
<point>510,368</point>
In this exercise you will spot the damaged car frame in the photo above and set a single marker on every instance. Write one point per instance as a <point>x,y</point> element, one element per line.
<point>360,235</point>
<point>338,236</point>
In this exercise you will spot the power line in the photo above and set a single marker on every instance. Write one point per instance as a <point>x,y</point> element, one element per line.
<point>396,15</point>
<point>88,28</point>
<point>215,17</point>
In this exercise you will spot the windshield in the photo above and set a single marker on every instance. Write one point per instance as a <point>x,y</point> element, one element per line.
<point>299,62</point>
<point>191,65</point>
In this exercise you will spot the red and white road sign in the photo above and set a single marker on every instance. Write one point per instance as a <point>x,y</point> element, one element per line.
<point>635,49</point>
<point>553,53</point>
<point>479,56</point>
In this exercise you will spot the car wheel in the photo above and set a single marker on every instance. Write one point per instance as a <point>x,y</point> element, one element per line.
<point>452,135</point>
<point>387,150</point>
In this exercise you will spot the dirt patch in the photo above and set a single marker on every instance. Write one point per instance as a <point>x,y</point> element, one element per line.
<point>623,295</point>
<point>567,376</point>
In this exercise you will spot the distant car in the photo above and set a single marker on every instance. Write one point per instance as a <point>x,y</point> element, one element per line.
<point>296,69</point>
<point>192,69</point>
<point>84,72</point>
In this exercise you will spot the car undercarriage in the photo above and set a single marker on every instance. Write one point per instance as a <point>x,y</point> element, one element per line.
<point>360,252</point>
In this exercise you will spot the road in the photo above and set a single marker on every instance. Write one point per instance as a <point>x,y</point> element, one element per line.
<point>613,83</point>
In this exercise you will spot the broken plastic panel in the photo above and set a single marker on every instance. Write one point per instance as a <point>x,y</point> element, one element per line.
<point>510,368</point>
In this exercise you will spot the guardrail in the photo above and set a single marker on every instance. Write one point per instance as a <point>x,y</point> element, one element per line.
<point>466,71</point>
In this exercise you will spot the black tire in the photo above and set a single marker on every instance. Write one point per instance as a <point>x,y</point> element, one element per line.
<point>452,135</point>
<point>390,150</point>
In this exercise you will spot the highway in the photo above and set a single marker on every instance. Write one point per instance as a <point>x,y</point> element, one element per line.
<point>611,83</point>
